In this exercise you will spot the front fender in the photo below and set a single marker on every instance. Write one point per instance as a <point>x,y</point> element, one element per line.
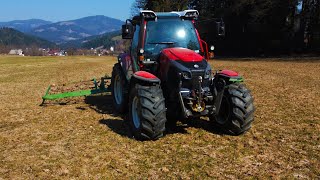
<point>229,76</point>
<point>146,77</point>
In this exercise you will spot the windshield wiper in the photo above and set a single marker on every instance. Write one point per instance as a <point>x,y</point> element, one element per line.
<point>162,42</point>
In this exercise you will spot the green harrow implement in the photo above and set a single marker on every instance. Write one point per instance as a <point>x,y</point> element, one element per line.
<point>103,87</point>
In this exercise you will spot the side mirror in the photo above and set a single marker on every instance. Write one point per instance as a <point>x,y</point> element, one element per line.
<point>221,28</point>
<point>127,31</point>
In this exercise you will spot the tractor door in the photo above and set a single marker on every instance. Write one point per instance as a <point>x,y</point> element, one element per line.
<point>129,60</point>
<point>134,51</point>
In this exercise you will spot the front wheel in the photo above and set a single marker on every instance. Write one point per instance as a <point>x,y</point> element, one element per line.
<point>147,112</point>
<point>237,110</point>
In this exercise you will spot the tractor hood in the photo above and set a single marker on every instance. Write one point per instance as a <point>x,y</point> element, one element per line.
<point>182,54</point>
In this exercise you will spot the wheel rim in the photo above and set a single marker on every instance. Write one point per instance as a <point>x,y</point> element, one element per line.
<point>224,112</point>
<point>135,116</point>
<point>118,90</point>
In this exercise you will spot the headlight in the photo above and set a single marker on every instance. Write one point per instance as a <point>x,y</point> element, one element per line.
<point>207,75</point>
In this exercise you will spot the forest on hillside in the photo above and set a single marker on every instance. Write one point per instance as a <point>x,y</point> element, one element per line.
<point>252,27</point>
<point>11,39</point>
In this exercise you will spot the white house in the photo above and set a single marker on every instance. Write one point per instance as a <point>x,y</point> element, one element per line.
<point>16,52</point>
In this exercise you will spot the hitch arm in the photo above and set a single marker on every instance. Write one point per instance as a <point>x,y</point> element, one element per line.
<point>185,112</point>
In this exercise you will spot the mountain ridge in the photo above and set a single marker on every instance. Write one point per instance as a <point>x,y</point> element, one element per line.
<point>24,25</point>
<point>65,31</point>
<point>71,33</point>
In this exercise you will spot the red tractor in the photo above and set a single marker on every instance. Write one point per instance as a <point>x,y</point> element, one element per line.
<point>166,77</point>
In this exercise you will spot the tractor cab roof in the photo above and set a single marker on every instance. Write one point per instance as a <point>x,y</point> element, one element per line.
<point>150,15</point>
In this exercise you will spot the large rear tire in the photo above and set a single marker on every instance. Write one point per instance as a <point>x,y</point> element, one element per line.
<point>237,110</point>
<point>147,112</point>
<point>119,89</point>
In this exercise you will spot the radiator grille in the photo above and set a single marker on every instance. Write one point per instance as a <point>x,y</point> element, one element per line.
<point>193,83</point>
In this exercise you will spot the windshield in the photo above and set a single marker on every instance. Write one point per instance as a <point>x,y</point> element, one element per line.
<point>165,33</point>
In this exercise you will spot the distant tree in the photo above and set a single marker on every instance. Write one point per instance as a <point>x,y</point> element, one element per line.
<point>310,22</point>
<point>252,26</point>
<point>33,51</point>
<point>137,5</point>
<point>4,49</point>
<point>71,51</point>
<point>159,5</point>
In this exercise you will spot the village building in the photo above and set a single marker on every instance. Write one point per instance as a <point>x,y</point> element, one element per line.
<point>16,52</point>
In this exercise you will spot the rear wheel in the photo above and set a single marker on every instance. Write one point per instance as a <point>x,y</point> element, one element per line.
<point>236,111</point>
<point>147,112</point>
<point>119,89</point>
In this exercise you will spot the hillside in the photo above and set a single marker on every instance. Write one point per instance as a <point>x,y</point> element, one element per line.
<point>14,38</point>
<point>105,40</point>
<point>62,32</point>
<point>24,25</point>
<point>79,42</point>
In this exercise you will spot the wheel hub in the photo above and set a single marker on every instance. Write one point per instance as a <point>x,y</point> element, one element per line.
<point>118,90</point>
<point>135,115</point>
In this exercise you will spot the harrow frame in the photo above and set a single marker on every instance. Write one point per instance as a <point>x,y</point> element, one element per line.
<point>103,87</point>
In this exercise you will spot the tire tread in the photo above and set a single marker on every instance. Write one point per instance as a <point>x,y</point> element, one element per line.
<point>241,110</point>
<point>153,112</point>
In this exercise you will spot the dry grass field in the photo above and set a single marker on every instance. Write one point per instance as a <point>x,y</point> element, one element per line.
<point>85,140</point>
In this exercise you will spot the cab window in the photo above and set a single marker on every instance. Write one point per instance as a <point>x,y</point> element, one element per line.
<point>135,42</point>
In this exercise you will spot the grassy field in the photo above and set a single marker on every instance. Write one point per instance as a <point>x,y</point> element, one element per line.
<point>84,139</point>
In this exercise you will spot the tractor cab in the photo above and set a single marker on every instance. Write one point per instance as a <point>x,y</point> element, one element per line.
<point>153,32</point>
<point>170,31</point>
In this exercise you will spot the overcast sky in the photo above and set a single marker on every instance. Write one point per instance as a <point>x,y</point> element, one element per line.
<point>61,10</point>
